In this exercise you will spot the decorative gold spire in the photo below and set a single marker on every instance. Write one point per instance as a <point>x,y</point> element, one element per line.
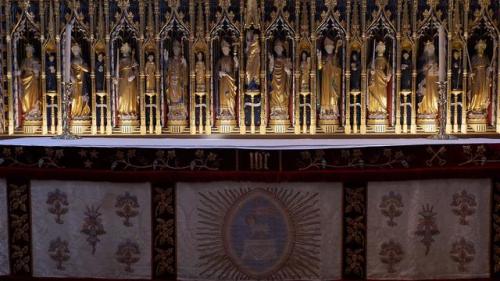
<point>150,27</point>
<point>355,18</point>
<point>200,21</point>
<point>405,24</point>
<point>484,4</point>
<point>225,4</point>
<point>51,25</point>
<point>457,19</point>
<point>304,21</point>
<point>100,22</point>
<point>331,4</point>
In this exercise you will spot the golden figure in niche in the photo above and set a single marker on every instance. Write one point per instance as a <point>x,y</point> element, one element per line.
<point>177,81</point>
<point>127,83</point>
<point>281,69</point>
<point>253,60</point>
<point>226,68</point>
<point>380,75</point>
<point>150,71</point>
<point>79,100</point>
<point>428,88</point>
<point>305,72</point>
<point>330,77</point>
<point>200,72</point>
<point>480,80</point>
<point>30,85</point>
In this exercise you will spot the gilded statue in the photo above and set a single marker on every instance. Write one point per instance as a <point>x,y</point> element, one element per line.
<point>331,79</point>
<point>280,68</point>
<point>177,81</point>
<point>200,73</point>
<point>380,75</point>
<point>428,88</point>
<point>480,80</point>
<point>226,66</point>
<point>79,100</point>
<point>305,73</point>
<point>253,60</point>
<point>127,82</point>
<point>30,85</point>
<point>149,72</point>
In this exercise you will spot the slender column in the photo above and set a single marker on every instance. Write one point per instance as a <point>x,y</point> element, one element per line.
<point>93,128</point>
<point>109,110</point>
<point>398,71</point>
<point>364,81</point>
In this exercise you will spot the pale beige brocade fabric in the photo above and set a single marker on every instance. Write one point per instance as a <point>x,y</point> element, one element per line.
<point>91,229</point>
<point>428,229</point>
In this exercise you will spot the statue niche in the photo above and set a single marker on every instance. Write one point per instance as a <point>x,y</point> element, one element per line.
<point>331,79</point>
<point>380,76</point>
<point>427,89</point>
<point>177,83</point>
<point>252,52</point>
<point>280,67</point>
<point>127,83</point>
<point>30,85</point>
<point>226,71</point>
<point>480,81</point>
<point>80,108</point>
<point>150,72</point>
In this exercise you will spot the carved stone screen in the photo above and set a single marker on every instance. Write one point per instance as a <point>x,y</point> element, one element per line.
<point>243,230</point>
<point>91,229</point>
<point>252,67</point>
<point>430,229</point>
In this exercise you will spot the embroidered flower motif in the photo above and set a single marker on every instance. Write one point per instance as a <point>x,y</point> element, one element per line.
<point>390,207</point>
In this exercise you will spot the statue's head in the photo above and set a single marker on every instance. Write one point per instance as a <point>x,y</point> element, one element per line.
<point>250,35</point>
<point>278,47</point>
<point>406,55</point>
<point>52,57</point>
<point>456,54</point>
<point>304,56</point>
<point>100,57</point>
<point>380,48</point>
<point>76,50</point>
<point>176,48</point>
<point>225,47</point>
<point>354,55</point>
<point>329,46</point>
<point>29,50</point>
<point>480,47</point>
<point>151,57</point>
<point>125,49</point>
<point>429,49</point>
<point>199,56</point>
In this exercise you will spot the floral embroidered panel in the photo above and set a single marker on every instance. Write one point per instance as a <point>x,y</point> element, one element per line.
<point>415,225</point>
<point>91,229</point>
<point>243,230</point>
<point>4,230</point>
